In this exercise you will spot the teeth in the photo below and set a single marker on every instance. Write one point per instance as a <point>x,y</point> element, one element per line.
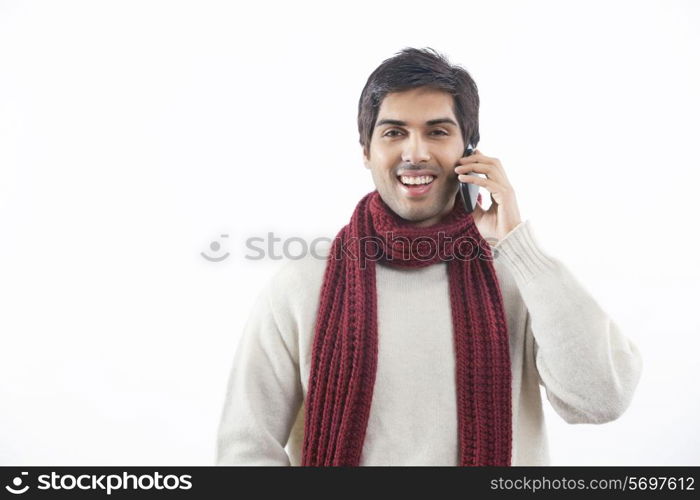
<point>425,179</point>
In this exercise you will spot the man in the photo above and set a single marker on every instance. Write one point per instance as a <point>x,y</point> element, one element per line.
<point>383,353</point>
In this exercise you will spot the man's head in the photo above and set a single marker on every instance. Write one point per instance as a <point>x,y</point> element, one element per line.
<point>402,131</point>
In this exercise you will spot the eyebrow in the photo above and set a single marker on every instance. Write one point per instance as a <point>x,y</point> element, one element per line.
<point>387,121</point>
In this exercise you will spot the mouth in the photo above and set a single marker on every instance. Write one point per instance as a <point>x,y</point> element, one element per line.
<point>416,185</point>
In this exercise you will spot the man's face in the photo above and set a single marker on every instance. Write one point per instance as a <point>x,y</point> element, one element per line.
<point>412,144</point>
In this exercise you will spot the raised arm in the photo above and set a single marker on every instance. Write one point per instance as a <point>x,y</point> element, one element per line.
<point>589,369</point>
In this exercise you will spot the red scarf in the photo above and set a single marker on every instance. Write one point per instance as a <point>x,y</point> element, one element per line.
<point>344,356</point>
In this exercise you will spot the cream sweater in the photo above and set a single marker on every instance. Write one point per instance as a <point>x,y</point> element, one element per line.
<point>560,338</point>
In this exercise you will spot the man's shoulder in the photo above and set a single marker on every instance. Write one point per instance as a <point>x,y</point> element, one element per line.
<point>299,278</point>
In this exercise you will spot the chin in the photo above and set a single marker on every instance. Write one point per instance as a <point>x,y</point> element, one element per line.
<point>418,211</point>
<point>418,214</point>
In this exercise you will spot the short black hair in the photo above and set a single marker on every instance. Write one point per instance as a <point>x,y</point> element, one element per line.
<point>411,68</point>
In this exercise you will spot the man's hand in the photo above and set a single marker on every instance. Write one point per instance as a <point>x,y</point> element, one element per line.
<point>503,214</point>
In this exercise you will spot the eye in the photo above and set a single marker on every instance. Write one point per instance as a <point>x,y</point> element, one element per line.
<point>389,132</point>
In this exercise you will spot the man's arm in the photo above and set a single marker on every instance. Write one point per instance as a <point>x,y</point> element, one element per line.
<point>589,369</point>
<point>264,394</point>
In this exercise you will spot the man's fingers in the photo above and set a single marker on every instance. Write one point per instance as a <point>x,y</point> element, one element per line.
<point>491,172</point>
<point>480,181</point>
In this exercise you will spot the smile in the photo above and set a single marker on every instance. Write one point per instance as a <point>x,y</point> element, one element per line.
<point>408,180</point>
<point>415,185</point>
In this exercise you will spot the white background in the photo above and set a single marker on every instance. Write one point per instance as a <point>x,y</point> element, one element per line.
<point>133,134</point>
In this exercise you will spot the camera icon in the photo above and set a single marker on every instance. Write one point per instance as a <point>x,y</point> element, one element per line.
<point>17,483</point>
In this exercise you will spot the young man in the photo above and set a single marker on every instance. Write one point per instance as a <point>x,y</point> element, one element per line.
<point>423,335</point>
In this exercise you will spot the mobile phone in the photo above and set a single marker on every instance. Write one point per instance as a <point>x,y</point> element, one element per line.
<point>469,191</point>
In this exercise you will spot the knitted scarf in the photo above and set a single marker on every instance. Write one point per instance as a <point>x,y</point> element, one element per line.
<point>344,354</point>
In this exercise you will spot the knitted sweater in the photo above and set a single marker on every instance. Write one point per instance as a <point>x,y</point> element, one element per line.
<point>560,338</point>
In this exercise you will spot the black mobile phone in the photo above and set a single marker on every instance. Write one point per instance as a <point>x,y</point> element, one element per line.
<point>469,191</point>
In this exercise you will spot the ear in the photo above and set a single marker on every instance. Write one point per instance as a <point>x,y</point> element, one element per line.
<point>365,160</point>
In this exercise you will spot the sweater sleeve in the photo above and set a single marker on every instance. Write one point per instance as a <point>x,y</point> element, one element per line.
<point>589,369</point>
<point>264,394</point>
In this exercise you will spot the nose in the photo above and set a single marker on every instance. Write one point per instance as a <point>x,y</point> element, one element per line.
<point>415,151</point>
